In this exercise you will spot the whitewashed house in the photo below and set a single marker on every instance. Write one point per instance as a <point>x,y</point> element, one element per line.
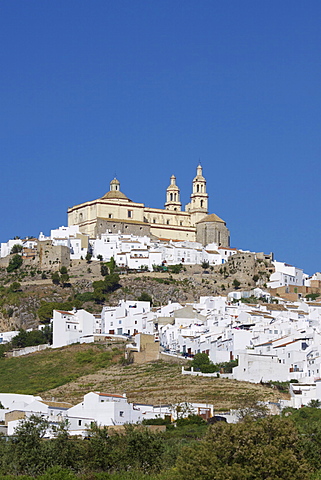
<point>72,327</point>
<point>106,409</point>
<point>285,275</point>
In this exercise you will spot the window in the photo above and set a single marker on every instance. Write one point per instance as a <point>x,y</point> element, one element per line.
<point>154,220</point>
<point>167,222</point>
<point>79,423</point>
<point>130,214</point>
<point>110,215</point>
<point>181,223</point>
<point>121,414</point>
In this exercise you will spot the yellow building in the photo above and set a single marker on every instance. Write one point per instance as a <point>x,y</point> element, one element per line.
<point>117,213</point>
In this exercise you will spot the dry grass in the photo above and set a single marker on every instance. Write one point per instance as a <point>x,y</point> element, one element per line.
<point>160,382</point>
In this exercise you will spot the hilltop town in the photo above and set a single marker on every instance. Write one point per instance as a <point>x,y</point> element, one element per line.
<point>168,286</point>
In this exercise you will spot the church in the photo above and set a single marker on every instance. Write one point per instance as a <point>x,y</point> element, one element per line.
<point>117,213</point>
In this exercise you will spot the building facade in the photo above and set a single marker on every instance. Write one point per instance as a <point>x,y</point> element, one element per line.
<point>117,213</point>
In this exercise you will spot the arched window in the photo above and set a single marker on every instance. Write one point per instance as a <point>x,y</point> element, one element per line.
<point>171,197</point>
<point>201,203</point>
<point>197,188</point>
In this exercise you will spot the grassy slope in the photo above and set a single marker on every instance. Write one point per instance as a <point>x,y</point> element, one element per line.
<point>70,372</point>
<point>39,372</point>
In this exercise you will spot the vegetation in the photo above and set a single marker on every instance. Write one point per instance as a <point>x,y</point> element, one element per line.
<point>14,263</point>
<point>312,296</point>
<point>272,448</point>
<point>144,297</point>
<point>202,363</point>
<point>103,287</point>
<point>17,248</point>
<point>33,374</point>
<point>45,311</point>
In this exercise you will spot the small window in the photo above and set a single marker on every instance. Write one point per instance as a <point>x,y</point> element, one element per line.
<point>167,222</point>
<point>79,423</point>
<point>154,220</point>
<point>130,213</point>
<point>181,223</point>
<point>121,414</point>
<point>110,215</point>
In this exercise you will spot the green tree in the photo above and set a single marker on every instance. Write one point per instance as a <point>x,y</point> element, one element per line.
<point>15,287</point>
<point>64,279</point>
<point>88,257</point>
<point>205,265</point>
<point>111,265</point>
<point>254,450</point>
<point>104,269</point>
<point>236,284</point>
<point>17,248</point>
<point>144,297</point>
<point>55,277</point>
<point>202,363</point>
<point>27,448</point>
<point>63,270</point>
<point>14,263</point>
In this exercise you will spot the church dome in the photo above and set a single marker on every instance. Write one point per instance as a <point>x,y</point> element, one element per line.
<point>115,194</point>
<point>115,182</point>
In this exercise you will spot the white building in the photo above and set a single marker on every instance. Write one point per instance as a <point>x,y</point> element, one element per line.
<point>73,327</point>
<point>106,409</point>
<point>127,318</point>
<point>285,275</point>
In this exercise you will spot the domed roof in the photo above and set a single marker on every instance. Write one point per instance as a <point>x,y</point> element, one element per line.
<point>115,182</point>
<point>115,194</point>
<point>211,218</point>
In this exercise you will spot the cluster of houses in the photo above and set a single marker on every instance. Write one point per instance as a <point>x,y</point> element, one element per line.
<point>129,251</point>
<point>103,409</point>
<point>271,341</point>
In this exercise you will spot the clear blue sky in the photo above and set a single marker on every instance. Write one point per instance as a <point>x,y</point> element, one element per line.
<point>144,89</point>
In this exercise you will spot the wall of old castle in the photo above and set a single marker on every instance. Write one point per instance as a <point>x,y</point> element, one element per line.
<point>50,255</point>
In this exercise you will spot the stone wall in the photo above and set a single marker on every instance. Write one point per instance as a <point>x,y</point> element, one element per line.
<point>209,232</point>
<point>50,255</point>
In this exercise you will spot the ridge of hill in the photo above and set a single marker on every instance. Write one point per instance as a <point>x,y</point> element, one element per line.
<point>67,373</point>
<point>24,290</point>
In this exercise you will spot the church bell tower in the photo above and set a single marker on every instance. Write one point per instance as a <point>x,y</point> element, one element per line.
<point>198,206</point>
<point>173,196</point>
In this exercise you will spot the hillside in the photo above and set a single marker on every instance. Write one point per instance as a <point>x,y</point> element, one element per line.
<point>70,372</point>
<point>24,290</point>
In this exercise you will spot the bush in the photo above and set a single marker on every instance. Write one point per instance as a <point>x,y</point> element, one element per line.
<point>17,248</point>
<point>14,263</point>
<point>144,297</point>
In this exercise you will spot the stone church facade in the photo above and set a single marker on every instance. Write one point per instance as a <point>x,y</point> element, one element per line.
<point>117,213</point>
